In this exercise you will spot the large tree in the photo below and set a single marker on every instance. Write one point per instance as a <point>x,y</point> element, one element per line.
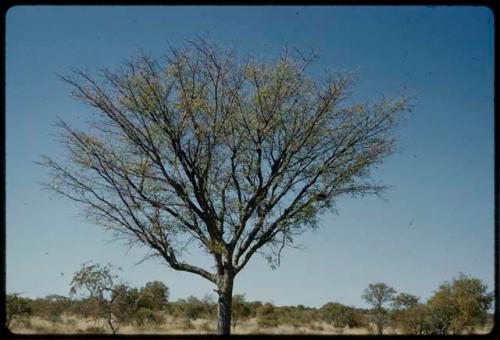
<point>201,148</point>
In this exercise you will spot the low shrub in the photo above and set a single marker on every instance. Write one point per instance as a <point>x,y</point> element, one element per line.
<point>147,316</point>
<point>206,327</point>
<point>56,318</point>
<point>315,327</point>
<point>186,324</point>
<point>94,330</point>
<point>25,322</point>
<point>268,321</point>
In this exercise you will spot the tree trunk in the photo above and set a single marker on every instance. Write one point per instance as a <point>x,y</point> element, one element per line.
<point>225,292</point>
<point>380,322</point>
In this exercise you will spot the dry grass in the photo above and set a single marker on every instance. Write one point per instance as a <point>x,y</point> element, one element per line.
<point>72,325</point>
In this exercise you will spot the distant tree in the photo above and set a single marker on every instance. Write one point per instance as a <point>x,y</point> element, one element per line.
<point>410,316</point>
<point>16,306</point>
<point>236,157</point>
<point>124,304</point>
<point>112,301</point>
<point>443,310</point>
<point>154,296</point>
<point>459,305</point>
<point>241,309</point>
<point>378,295</point>
<point>193,308</point>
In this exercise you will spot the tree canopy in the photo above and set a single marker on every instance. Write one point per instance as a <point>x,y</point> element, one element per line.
<point>378,295</point>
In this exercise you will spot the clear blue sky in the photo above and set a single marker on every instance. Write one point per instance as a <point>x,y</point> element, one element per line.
<point>436,221</point>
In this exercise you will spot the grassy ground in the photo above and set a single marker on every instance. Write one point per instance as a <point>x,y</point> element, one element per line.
<point>72,325</point>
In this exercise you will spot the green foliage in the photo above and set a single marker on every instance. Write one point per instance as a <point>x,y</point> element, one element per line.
<point>459,305</point>
<point>126,305</point>
<point>268,321</point>
<point>456,307</point>
<point>96,280</point>
<point>410,316</point>
<point>341,316</point>
<point>379,294</point>
<point>85,307</point>
<point>268,316</point>
<point>154,296</point>
<point>405,301</point>
<point>16,306</point>
<point>193,308</point>
<point>123,304</point>
<point>254,307</point>
<point>266,309</point>
<point>240,309</point>
<point>113,302</point>
<point>147,316</point>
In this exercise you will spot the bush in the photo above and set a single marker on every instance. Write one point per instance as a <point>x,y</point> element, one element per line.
<point>193,308</point>
<point>266,309</point>
<point>254,307</point>
<point>268,321</point>
<point>71,322</point>
<point>84,308</point>
<point>206,327</point>
<point>315,327</point>
<point>94,330</point>
<point>56,318</point>
<point>187,324</point>
<point>240,309</point>
<point>16,307</point>
<point>413,320</point>
<point>25,322</point>
<point>147,316</point>
<point>342,316</point>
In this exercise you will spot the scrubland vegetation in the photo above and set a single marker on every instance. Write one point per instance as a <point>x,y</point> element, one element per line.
<point>459,306</point>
